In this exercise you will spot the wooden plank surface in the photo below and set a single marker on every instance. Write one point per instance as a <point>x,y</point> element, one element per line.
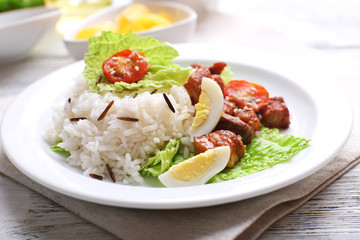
<point>28,215</point>
<point>334,213</point>
<point>330,26</point>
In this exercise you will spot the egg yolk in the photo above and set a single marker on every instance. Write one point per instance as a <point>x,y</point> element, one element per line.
<point>202,109</point>
<point>192,169</point>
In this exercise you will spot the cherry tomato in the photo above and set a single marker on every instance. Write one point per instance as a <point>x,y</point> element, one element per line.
<point>125,66</point>
<point>248,94</point>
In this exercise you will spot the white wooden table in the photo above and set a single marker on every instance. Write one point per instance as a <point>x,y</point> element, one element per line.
<point>330,26</point>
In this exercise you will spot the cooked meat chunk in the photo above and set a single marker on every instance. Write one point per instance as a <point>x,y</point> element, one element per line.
<point>249,116</point>
<point>193,85</point>
<point>218,79</point>
<point>229,107</point>
<point>237,126</point>
<point>275,113</point>
<point>218,139</point>
<point>217,68</point>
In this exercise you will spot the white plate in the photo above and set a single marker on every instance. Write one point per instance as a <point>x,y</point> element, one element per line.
<point>311,105</point>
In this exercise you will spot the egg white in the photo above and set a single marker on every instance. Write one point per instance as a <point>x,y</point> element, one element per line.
<point>215,94</point>
<point>219,158</point>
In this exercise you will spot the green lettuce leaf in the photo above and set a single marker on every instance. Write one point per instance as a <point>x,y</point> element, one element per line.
<point>178,158</point>
<point>60,150</point>
<point>264,152</point>
<point>162,160</point>
<point>164,78</point>
<point>226,75</point>
<point>162,73</point>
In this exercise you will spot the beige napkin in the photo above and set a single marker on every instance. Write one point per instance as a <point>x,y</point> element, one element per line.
<point>243,220</point>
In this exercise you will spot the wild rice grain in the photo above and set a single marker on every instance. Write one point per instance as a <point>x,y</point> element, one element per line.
<point>110,172</point>
<point>103,114</point>
<point>168,103</point>
<point>96,176</point>
<point>77,119</point>
<point>98,79</point>
<point>130,119</point>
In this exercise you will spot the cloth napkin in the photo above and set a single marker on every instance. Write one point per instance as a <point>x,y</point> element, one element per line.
<point>245,219</point>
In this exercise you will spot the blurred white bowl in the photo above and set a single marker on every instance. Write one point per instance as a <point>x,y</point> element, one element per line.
<point>180,31</point>
<point>200,6</point>
<point>21,29</point>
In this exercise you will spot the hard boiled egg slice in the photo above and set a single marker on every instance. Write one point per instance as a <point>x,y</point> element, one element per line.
<point>208,109</point>
<point>198,169</point>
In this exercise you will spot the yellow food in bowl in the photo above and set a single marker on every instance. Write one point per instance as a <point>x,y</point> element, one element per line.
<point>143,22</point>
<point>96,30</point>
<point>134,18</point>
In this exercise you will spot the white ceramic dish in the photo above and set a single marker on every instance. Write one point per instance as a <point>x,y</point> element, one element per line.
<point>200,6</point>
<point>298,82</point>
<point>21,29</point>
<point>179,32</point>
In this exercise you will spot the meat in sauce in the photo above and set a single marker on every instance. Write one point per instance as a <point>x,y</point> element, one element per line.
<point>246,115</point>
<point>218,139</point>
<point>275,114</point>
<point>249,116</point>
<point>217,68</point>
<point>218,79</point>
<point>237,126</point>
<point>193,85</point>
<point>229,107</point>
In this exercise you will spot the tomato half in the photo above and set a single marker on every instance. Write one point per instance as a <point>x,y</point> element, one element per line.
<point>248,94</point>
<point>125,66</point>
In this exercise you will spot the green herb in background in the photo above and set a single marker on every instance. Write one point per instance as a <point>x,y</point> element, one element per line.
<point>6,5</point>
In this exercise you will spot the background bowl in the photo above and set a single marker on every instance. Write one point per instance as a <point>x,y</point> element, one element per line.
<point>180,31</point>
<point>21,29</point>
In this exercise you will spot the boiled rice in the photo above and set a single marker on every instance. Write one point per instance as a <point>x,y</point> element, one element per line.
<point>124,145</point>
